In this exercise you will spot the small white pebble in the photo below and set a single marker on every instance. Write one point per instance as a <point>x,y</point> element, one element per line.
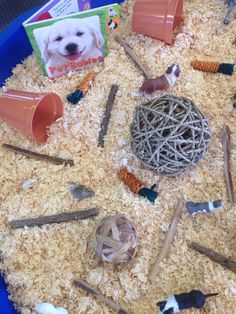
<point>28,184</point>
<point>124,162</point>
<point>70,73</point>
<point>135,94</point>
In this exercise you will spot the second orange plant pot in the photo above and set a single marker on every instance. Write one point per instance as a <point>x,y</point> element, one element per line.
<point>31,113</point>
<point>157,18</point>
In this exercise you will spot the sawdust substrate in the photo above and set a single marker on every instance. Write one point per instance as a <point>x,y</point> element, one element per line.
<point>40,263</point>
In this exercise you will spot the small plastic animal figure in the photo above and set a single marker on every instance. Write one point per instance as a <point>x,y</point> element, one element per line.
<point>163,82</point>
<point>183,301</point>
<point>231,4</point>
<point>79,191</point>
<point>48,308</point>
<point>205,207</point>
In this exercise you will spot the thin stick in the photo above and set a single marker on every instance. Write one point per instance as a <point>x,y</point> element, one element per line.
<point>107,115</point>
<point>167,242</point>
<point>28,153</point>
<point>133,57</point>
<point>215,257</point>
<point>115,306</point>
<point>227,173</point>
<point>64,217</point>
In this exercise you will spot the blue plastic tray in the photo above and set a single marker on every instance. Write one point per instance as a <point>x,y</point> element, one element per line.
<point>15,46</point>
<point>6,306</point>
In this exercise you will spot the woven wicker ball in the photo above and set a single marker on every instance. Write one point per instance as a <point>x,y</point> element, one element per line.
<point>169,134</point>
<point>114,240</point>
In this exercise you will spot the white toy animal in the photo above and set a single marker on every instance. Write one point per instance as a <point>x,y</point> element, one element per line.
<point>48,308</point>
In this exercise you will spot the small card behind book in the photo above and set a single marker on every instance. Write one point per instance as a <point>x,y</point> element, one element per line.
<point>63,42</point>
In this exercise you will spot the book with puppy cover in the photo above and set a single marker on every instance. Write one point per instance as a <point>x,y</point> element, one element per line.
<point>66,35</point>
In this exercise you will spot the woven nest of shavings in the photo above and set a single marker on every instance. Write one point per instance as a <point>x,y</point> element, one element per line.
<point>169,134</point>
<point>115,240</point>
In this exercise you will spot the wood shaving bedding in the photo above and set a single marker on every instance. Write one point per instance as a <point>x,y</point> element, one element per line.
<point>40,263</point>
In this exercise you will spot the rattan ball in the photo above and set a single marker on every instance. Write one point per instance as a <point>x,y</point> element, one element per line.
<point>169,134</point>
<point>114,239</point>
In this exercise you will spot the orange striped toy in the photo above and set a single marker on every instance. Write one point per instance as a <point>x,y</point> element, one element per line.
<point>137,186</point>
<point>82,88</point>
<point>213,67</point>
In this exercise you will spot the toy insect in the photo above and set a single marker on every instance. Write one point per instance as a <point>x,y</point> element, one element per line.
<point>137,186</point>
<point>231,4</point>
<point>163,82</point>
<point>183,301</point>
<point>79,191</point>
<point>82,89</point>
<point>205,207</point>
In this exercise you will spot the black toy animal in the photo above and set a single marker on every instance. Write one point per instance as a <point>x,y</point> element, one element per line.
<point>183,301</point>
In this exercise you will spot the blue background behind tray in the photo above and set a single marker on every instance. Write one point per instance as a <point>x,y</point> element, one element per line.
<point>15,46</point>
<point>6,306</point>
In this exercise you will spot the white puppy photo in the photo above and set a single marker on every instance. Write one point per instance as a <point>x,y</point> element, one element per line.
<point>69,40</point>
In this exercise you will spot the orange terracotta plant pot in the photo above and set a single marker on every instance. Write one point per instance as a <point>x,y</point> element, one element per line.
<point>157,18</point>
<point>31,113</point>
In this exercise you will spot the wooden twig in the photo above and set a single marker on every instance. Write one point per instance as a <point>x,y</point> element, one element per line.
<point>64,217</point>
<point>168,240</point>
<point>133,57</point>
<point>215,257</point>
<point>227,173</point>
<point>114,305</point>
<point>107,115</point>
<point>28,153</point>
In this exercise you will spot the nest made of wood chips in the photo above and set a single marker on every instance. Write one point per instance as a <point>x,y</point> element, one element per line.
<point>115,240</point>
<point>169,134</point>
